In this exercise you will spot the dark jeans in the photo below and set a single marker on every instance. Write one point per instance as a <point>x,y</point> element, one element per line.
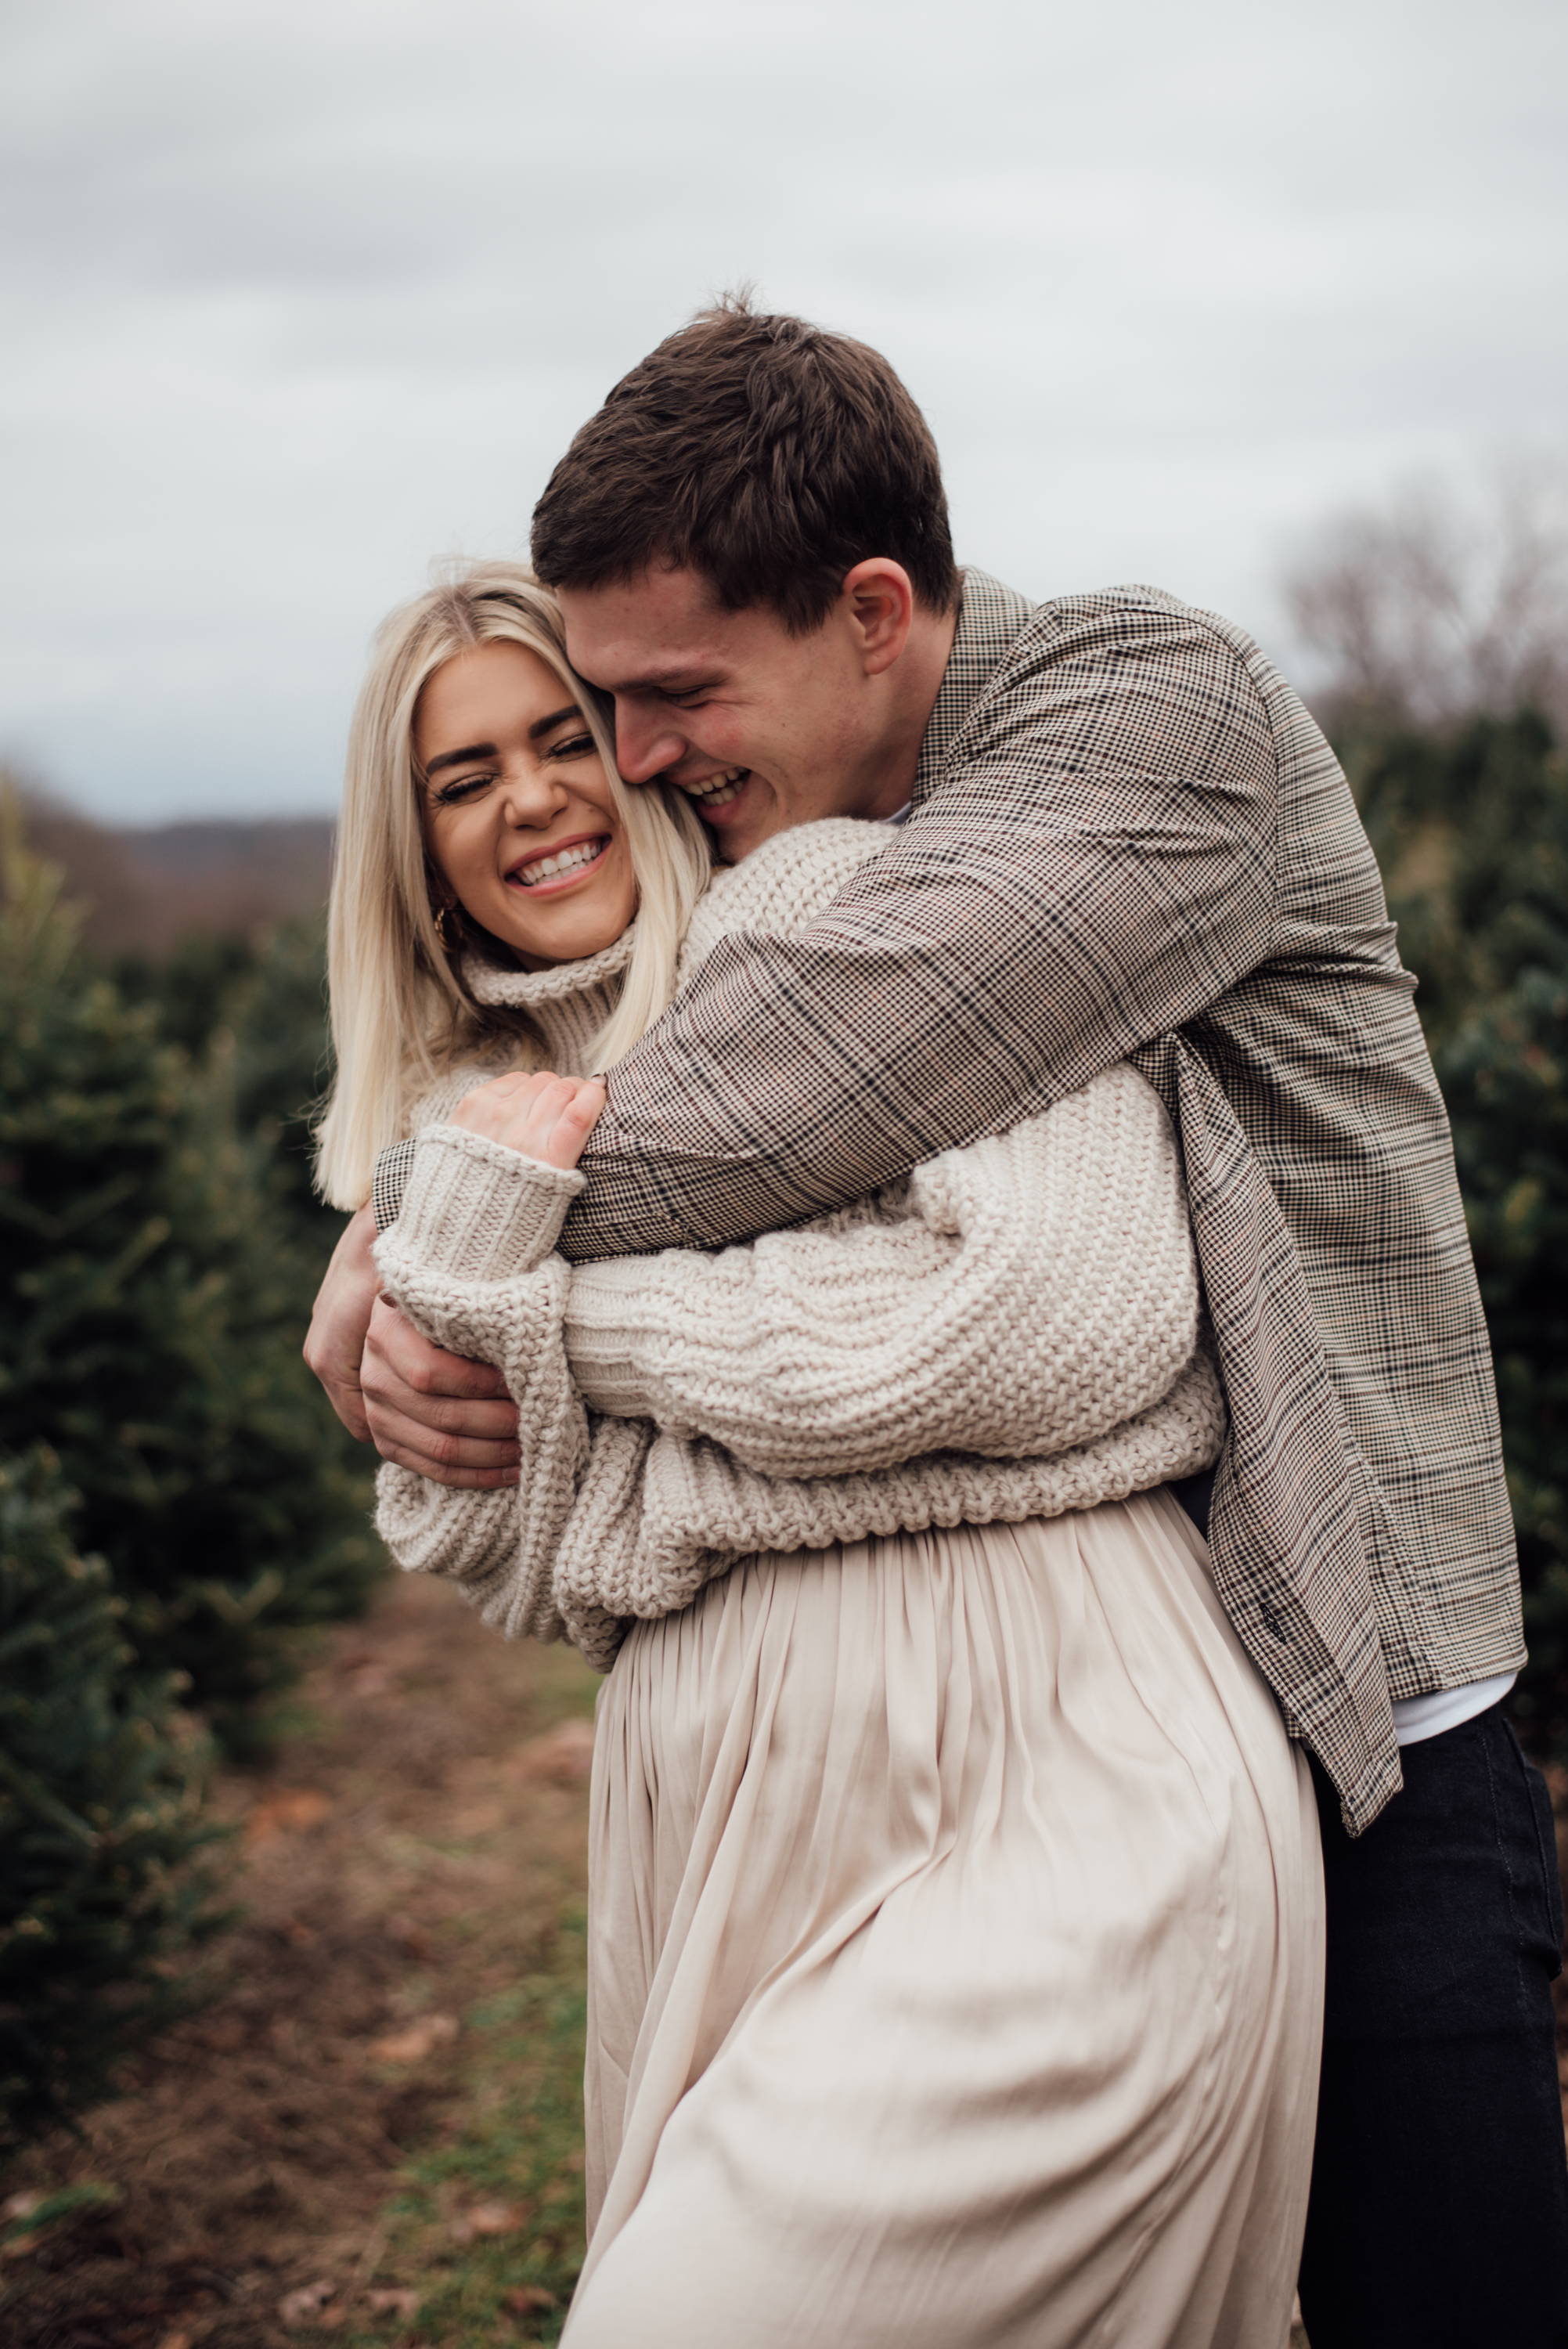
<point>1439,2192</point>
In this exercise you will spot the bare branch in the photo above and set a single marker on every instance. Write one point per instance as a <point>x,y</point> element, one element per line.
<point>1452,596</point>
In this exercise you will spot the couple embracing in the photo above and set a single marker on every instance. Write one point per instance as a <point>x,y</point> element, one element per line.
<point>962,1310</point>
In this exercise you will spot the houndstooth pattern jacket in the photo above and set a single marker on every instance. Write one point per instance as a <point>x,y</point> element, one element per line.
<point>1130,841</point>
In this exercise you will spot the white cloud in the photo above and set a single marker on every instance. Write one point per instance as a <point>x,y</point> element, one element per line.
<point>309,294</point>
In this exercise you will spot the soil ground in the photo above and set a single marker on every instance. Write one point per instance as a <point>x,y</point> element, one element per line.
<point>371,2134</point>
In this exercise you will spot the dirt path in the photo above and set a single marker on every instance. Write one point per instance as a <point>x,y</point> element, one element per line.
<point>373,2133</point>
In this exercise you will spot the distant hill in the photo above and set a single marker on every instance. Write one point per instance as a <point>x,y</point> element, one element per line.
<point>147,887</point>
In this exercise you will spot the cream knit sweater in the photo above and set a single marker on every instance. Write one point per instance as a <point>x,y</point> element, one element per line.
<point>1012,1331</point>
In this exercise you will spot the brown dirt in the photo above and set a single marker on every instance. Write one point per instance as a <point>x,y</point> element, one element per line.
<point>408,1853</point>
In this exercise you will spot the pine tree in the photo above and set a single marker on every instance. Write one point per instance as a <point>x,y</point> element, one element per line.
<point>150,1320</point>
<point>1472,827</point>
<point>104,1873</point>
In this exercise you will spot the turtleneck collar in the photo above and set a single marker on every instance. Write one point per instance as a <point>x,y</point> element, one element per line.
<point>566,1005</point>
<point>522,990</point>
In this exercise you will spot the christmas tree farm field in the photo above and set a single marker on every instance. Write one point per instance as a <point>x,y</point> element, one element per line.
<point>371,2133</point>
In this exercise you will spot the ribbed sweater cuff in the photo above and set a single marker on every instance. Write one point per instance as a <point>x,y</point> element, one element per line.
<point>478,1210</point>
<point>610,1331</point>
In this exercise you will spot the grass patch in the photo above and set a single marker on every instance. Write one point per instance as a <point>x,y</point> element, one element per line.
<point>488,2228</point>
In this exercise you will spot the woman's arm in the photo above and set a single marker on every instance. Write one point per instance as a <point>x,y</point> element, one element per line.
<point>1035,1297</point>
<point>1021,1297</point>
<point>469,1263</point>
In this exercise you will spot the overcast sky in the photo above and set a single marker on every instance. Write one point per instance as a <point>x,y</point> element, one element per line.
<point>300,294</point>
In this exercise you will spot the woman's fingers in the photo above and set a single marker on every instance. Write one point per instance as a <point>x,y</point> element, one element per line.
<point>573,1120</point>
<point>543,1115</point>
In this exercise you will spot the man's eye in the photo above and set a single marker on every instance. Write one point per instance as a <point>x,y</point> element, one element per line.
<point>689,696</point>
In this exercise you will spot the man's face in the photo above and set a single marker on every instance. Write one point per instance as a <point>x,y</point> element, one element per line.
<point>764,731</point>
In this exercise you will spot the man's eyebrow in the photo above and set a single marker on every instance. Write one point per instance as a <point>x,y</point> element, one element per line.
<point>652,679</point>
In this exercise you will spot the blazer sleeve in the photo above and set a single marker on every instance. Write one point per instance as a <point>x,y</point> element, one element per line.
<point>1095,866</point>
<point>1016,1298</point>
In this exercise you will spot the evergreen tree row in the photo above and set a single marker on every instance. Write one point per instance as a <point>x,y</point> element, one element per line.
<point>177,1501</point>
<point>1472,826</point>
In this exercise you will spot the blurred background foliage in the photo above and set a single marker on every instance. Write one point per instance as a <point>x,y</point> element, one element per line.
<point>1438,622</point>
<point>178,1504</point>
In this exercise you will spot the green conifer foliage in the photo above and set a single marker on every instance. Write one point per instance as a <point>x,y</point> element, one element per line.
<point>1473,829</point>
<point>151,1321</point>
<point>103,1871</point>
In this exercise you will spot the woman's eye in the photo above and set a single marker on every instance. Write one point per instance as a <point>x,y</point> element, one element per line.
<point>576,746</point>
<point>451,794</point>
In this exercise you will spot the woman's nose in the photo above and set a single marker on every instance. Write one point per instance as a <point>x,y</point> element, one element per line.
<point>532,794</point>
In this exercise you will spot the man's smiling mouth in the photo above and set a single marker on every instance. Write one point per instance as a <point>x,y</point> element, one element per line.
<point>717,790</point>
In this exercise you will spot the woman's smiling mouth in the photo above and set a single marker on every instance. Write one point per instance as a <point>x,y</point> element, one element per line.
<point>558,867</point>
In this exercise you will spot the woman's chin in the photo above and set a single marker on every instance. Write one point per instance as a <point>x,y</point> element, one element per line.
<point>574,935</point>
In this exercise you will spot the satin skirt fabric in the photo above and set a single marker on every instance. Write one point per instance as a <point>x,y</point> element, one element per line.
<point>956,1956</point>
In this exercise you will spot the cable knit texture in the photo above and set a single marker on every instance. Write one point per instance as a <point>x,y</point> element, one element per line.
<point>1013,1331</point>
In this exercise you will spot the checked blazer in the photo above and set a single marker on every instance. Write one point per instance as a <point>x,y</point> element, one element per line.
<point>1130,841</point>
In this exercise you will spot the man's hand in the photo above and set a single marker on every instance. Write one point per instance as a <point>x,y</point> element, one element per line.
<point>335,1340</point>
<point>450,1419</point>
<point>546,1117</point>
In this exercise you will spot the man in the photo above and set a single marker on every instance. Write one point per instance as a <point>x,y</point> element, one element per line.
<point>1121,837</point>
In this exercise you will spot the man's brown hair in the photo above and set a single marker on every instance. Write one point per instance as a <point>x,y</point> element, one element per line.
<point>762,451</point>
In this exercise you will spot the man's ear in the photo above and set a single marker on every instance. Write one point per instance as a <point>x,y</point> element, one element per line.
<point>879,603</point>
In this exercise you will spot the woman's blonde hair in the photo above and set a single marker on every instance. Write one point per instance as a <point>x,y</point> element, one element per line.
<point>401,1011</point>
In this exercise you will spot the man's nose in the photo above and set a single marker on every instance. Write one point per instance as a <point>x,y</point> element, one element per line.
<point>646,745</point>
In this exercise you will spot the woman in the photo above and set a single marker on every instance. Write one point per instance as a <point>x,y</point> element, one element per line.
<point>954,1938</point>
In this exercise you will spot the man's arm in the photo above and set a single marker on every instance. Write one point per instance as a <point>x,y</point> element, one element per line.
<point>334,1343</point>
<point>429,1411</point>
<point>1097,866</point>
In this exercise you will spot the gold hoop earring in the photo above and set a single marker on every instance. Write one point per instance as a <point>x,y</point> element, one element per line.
<point>442,930</point>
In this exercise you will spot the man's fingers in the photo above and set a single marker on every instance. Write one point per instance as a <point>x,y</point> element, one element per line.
<point>348,1402</point>
<point>425,1370</point>
<point>421,1368</point>
<point>438,1423</point>
<point>343,1306</point>
<point>480,1422</point>
<point>447,1459</point>
<point>341,1385</point>
<point>460,1480</point>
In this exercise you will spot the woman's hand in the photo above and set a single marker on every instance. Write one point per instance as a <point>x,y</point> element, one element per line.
<point>546,1117</point>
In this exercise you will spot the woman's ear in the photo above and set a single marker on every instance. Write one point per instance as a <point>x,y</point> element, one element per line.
<point>879,602</point>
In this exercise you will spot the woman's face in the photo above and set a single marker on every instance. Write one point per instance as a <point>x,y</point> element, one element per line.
<point>517,810</point>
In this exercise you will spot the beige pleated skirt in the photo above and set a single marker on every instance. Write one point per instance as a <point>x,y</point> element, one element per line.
<point>956,1956</point>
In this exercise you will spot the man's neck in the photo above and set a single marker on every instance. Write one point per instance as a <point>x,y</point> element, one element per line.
<point>918,681</point>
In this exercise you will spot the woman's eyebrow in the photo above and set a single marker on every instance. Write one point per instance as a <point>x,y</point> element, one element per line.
<point>543,726</point>
<point>459,758</point>
<point>540,726</point>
